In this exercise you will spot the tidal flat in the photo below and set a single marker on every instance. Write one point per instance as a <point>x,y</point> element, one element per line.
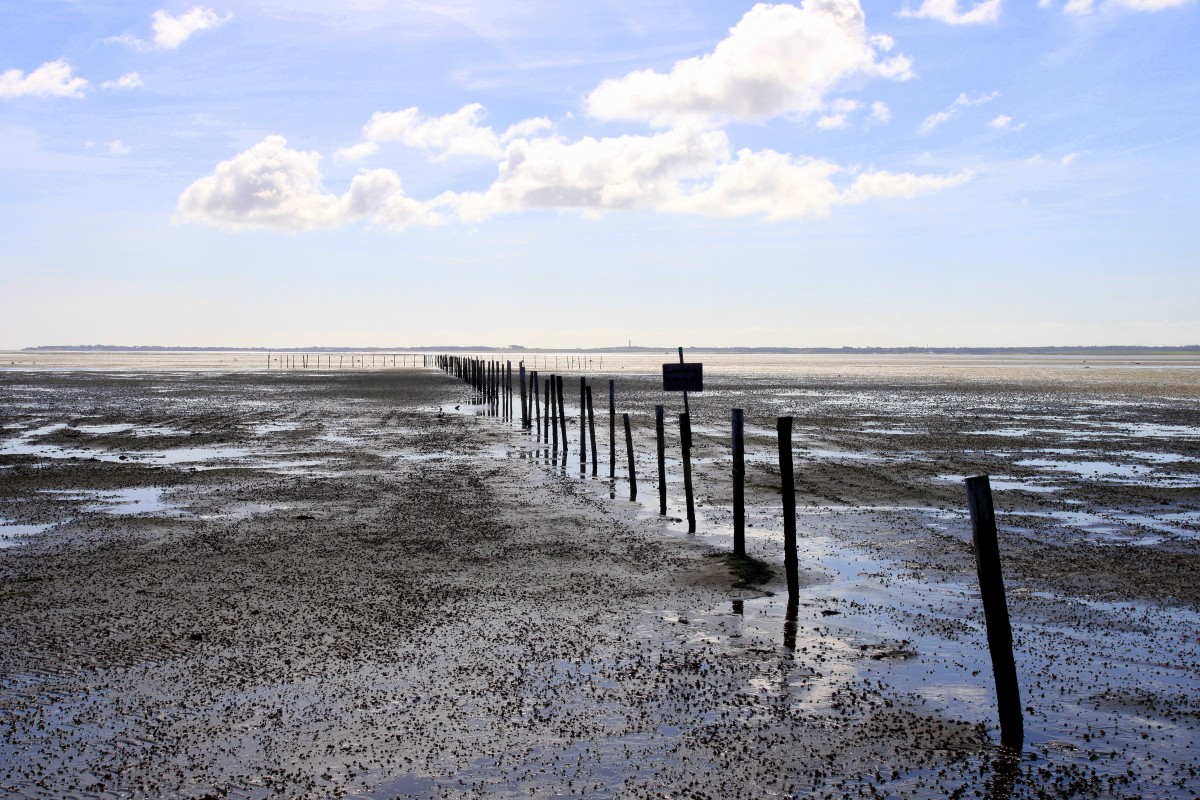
<point>358,584</point>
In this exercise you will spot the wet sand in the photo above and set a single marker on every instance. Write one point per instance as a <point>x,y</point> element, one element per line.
<point>340,585</point>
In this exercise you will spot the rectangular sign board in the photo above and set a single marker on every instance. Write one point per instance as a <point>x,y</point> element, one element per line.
<point>683,377</point>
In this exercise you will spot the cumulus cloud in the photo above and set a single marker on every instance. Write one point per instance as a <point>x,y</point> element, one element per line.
<point>456,134</point>
<point>939,118</point>
<point>839,113</point>
<point>172,31</point>
<point>880,113</point>
<point>947,11</point>
<point>130,80</point>
<point>52,79</point>
<point>1003,122</point>
<point>118,148</point>
<point>680,171</point>
<point>275,187</point>
<point>778,59</point>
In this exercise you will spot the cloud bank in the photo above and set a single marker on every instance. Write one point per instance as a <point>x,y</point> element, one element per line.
<point>779,60</point>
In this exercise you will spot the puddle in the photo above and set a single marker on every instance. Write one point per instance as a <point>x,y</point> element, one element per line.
<point>123,502</point>
<point>1110,470</point>
<point>1004,483</point>
<point>14,533</point>
<point>274,427</point>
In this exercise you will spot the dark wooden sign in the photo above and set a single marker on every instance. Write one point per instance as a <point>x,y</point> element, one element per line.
<point>683,377</point>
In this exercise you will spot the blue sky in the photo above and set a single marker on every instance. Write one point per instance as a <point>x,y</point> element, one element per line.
<point>828,173</point>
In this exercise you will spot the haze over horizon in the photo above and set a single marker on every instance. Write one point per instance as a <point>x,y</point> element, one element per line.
<point>828,173</point>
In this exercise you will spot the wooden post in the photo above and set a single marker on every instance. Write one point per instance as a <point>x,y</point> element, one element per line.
<point>536,416</point>
<point>524,400</point>
<point>739,483</point>
<point>562,415</point>
<point>685,440</point>
<point>787,479</point>
<point>592,428</point>
<point>659,435</point>
<point>546,417</point>
<point>629,449</point>
<point>995,611</point>
<point>553,413</point>
<point>582,424</point>
<point>612,429</point>
<point>686,409</point>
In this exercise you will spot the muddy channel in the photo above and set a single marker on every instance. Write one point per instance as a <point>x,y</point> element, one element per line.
<point>357,584</point>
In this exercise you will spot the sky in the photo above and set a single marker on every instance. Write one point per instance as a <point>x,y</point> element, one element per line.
<point>827,173</point>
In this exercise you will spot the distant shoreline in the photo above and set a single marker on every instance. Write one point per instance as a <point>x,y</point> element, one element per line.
<point>1094,350</point>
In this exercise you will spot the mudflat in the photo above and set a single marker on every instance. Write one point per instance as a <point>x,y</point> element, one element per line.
<point>350,584</point>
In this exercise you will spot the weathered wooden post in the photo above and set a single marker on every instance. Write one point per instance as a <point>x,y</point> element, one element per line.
<point>546,417</point>
<point>739,483</point>
<point>562,414</point>
<point>788,484</point>
<point>582,424</point>
<point>524,400</point>
<point>612,429</point>
<point>662,460</point>
<point>629,449</point>
<point>995,611</point>
<point>553,414</point>
<point>591,428</point>
<point>685,439</point>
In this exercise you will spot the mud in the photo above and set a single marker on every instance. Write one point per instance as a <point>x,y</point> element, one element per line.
<point>341,585</point>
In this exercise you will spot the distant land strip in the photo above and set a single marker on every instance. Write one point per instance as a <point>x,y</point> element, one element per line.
<point>1098,350</point>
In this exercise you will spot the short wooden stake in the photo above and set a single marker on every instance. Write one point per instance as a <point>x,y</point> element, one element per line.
<point>662,460</point>
<point>685,439</point>
<point>629,449</point>
<point>739,483</point>
<point>995,611</point>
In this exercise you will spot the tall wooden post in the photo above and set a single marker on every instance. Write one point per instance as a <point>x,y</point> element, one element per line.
<point>562,414</point>
<point>787,479</point>
<point>662,460</point>
<point>582,424</point>
<point>591,428</point>
<point>553,416</point>
<point>612,429</point>
<point>995,611</point>
<point>739,483</point>
<point>629,450</point>
<point>547,384</point>
<point>685,440</point>
<point>524,399</point>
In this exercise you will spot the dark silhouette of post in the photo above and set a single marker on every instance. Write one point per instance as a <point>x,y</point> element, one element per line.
<point>788,481</point>
<point>739,483</point>
<point>582,424</point>
<point>662,460</point>
<point>553,414</point>
<point>591,428</point>
<point>685,440</point>
<point>629,450</point>
<point>612,429</point>
<point>995,610</point>
<point>562,414</point>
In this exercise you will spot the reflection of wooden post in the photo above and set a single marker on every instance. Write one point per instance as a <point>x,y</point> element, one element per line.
<point>739,483</point>
<point>995,611</point>
<point>662,460</point>
<point>629,449</point>
<point>592,428</point>
<point>612,429</point>
<point>788,480</point>
<point>685,439</point>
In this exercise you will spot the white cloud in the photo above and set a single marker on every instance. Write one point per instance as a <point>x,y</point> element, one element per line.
<point>456,134</point>
<point>682,171</point>
<point>947,11</point>
<point>118,148</point>
<point>274,187</point>
<point>839,112</point>
<point>778,59</point>
<point>939,118</point>
<point>172,31</point>
<point>1003,122</point>
<point>52,79</point>
<point>880,113</point>
<point>130,80</point>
